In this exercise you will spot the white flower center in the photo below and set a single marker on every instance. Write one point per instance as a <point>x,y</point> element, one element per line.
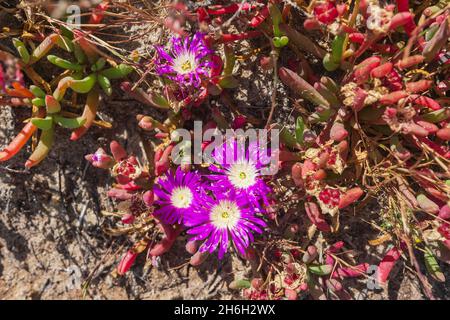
<point>242,174</point>
<point>225,214</point>
<point>185,62</point>
<point>181,197</point>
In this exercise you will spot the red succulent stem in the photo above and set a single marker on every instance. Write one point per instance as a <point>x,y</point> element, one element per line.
<point>225,38</point>
<point>233,8</point>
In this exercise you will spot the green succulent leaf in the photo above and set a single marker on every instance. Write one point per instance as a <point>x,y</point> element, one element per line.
<point>105,84</point>
<point>38,102</point>
<point>63,63</point>
<point>38,92</point>
<point>432,266</point>
<point>320,270</point>
<point>84,85</point>
<point>299,130</point>
<point>240,284</point>
<point>22,50</point>
<point>69,123</point>
<point>43,123</point>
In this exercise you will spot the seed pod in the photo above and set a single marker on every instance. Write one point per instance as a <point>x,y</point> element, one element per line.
<point>266,63</point>
<point>349,197</point>
<point>409,62</point>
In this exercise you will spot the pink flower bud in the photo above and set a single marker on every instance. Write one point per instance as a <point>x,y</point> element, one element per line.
<point>338,132</point>
<point>148,198</point>
<point>119,194</point>
<point>444,212</point>
<point>266,63</point>
<point>100,159</point>
<point>198,258</point>
<point>290,294</point>
<point>192,247</point>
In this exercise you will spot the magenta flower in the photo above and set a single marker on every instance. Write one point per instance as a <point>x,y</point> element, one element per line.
<point>222,221</point>
<point>177,196</point>
<point>240,173</point>
<point>187,62</point>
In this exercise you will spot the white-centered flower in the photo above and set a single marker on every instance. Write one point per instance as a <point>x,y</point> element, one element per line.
<point>181,197</point>
<point>242,174</point>
<point>225,214</point>
<point>185,62</point>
